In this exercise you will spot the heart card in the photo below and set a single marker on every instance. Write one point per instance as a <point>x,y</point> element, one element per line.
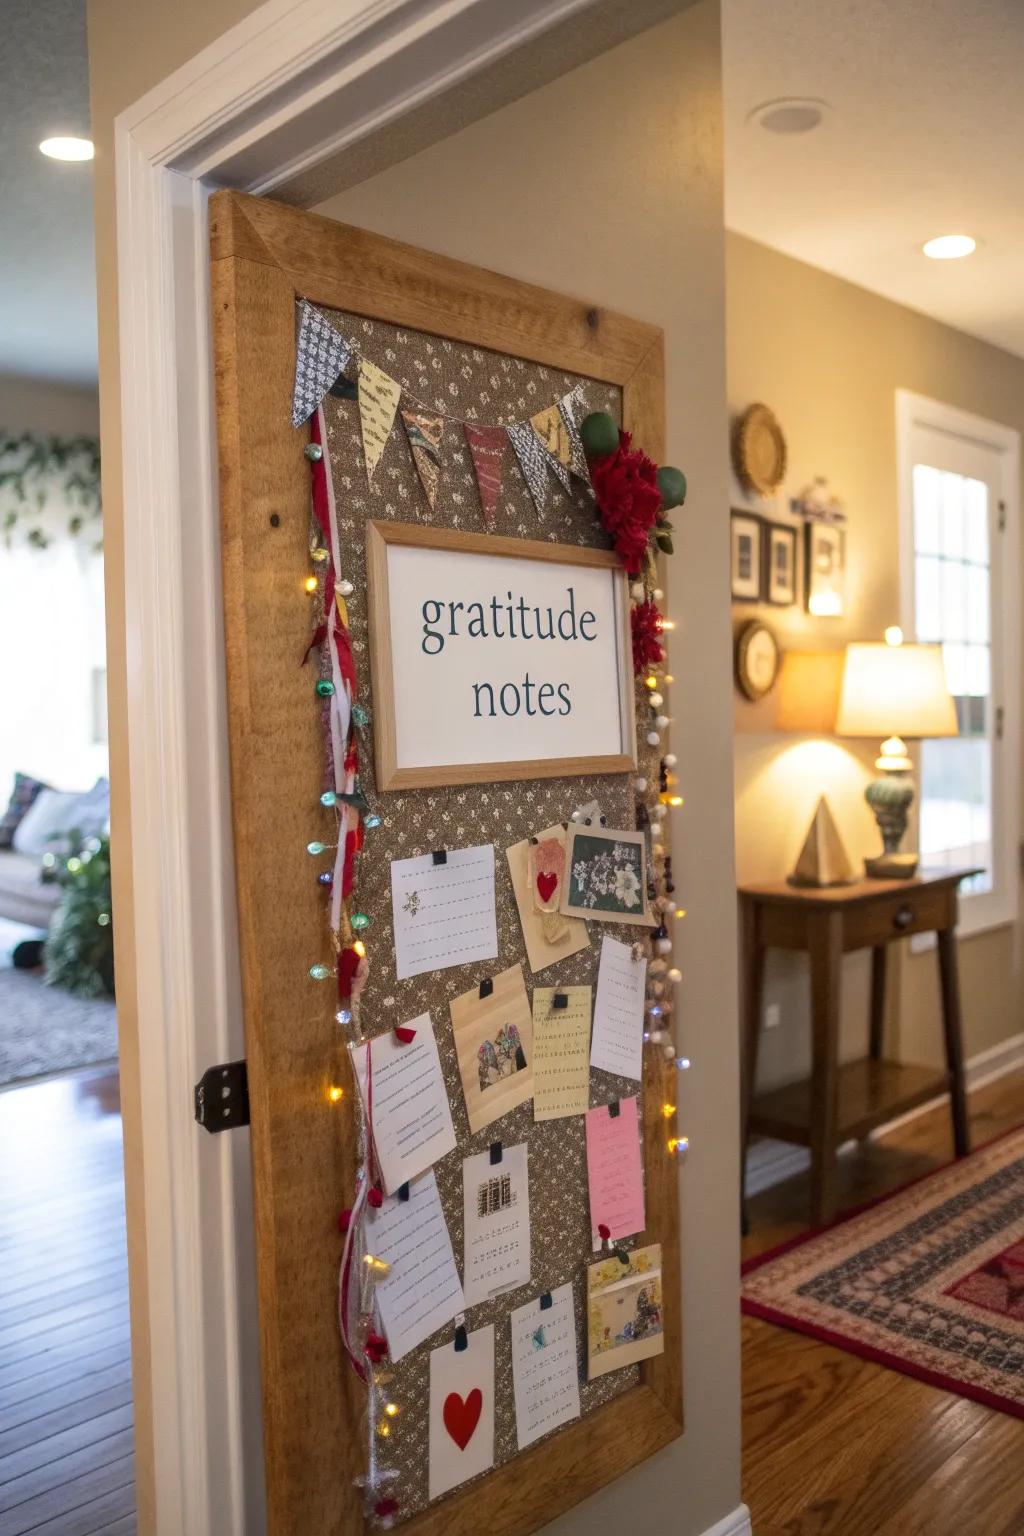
<point>461,1411</point>
<point>537,866</point>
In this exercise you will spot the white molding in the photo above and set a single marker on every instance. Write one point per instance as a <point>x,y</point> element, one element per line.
<point>773,1162</point>
<point>735,1524</point>
<point>291,83</point>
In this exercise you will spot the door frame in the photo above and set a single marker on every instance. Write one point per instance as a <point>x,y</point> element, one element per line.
<point>292,86</point>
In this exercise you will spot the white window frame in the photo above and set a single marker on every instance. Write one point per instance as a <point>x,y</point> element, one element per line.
<point>981,910</point>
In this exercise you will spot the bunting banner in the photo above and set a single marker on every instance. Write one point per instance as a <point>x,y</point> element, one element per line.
<point>550,428</point>
<point>379,395</point>
<point>533,461</point>
<point>321,355</point>
<point>487,447</point>
<point>568,406</point>
<point>424,434</point>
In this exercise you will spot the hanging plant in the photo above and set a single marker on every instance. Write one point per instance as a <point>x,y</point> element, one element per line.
<point>49,489</point>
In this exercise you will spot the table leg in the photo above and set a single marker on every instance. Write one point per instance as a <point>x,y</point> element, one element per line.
<point>879,956</point>
<point>752,982</point>
<point>826,952</point>
<point>949,980</point>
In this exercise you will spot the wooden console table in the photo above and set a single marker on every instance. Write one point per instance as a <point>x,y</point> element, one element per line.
<point>841,1102</point>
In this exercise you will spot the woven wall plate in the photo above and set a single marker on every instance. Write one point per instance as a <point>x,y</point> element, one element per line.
<point>759,451</point>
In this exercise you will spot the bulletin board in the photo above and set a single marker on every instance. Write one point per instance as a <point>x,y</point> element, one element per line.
<point>502,349</point>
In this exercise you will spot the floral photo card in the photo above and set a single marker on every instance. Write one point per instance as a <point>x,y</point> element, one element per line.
<point>606,875</point>
<point>494,1044</point>
<point>625,1321</point>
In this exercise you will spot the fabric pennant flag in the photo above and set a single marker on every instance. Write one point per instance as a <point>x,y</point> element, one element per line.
<point>487,447</point>
<point>568,406</point>
<point>321,355</point>
<point>533,461</point>
<point>424,433</point>
<point>379,395</point>
<point>551,429</point>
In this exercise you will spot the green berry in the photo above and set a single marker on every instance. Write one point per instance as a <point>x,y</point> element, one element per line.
<point>672,485</point>
<point>599,434</point>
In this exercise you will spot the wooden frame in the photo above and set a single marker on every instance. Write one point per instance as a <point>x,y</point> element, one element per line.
<point>813,531</point>
<point>263,255</point>
<point>389,775</point>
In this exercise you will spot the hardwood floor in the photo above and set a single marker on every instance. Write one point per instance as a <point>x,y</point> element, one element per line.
<point>837,1446</point>
<point>65,1383</point>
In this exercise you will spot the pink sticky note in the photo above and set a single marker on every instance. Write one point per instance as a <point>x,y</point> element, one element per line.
<point>615,1173</point>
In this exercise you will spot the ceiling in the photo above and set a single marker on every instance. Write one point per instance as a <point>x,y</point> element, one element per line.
<point>925,137</point>
<point>47,283</point>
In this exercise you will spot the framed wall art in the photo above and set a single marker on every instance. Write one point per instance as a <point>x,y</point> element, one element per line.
<point>825,569</point>
<point>780,564</point>
<point>747,557</point>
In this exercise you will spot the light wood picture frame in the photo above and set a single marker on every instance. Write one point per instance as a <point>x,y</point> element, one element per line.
<point>391,774</point>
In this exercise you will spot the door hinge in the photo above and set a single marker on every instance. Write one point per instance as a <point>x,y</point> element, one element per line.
<point>1001,509</point>
<point>222,1097</point>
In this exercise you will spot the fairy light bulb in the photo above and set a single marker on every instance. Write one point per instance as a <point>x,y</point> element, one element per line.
<point>680,912</point>
<point>651,682</point>
<point>379,1268</point>
<point>384,1429</point>
<point>316,847</point>
<point>320,972</point>
<point>668,623</point>
<point>360,948</point>
<point>668,1110</point>
<point>391,1409</point>
<point>328,798</point>
<point>675,799</point>
<point>320,554</point>
<point>679,1145</point>
<point>343,1016</point>
<point>682,1063</point>
<point>311,584</point>
<point>335,1094</point>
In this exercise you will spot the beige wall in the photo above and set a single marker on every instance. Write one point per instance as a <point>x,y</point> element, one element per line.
<point>622,205</point>
<point>828,358</point>
<point>47,406</point>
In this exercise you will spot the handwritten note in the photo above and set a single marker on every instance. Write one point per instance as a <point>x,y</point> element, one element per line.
<point>545,1370</point>
<point>561,1042</point>
<point>617,1045</point>
<point>422,1292</point>
<point>411,1117</point>
<point>615,1175</point>
<point>496,1207</point>
<point>443,913</point>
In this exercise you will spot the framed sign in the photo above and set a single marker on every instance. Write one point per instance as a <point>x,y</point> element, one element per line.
<point>496,658</point>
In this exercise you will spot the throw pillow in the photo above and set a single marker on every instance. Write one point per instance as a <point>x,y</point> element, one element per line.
<point>44,827</point>
<point>26,788</point>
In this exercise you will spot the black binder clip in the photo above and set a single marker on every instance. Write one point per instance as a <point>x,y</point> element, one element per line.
<point>496,1152</point>
<point>486,987</point>
<point>545,1302</point>
<point>613,1110</point>
<point>560,1000</point>
<point>403,1192</point>
<point>461,1338</point>
<point>440,856</point>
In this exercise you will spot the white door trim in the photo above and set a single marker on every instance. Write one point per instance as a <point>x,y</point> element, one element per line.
<point>278,93</point>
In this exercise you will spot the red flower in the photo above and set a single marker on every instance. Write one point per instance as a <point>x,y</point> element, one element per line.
<point>628,500</point>
<point>646,620</point>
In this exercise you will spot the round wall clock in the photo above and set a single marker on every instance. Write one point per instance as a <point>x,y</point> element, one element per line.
<point>759,451</point>
<point>757,660</point>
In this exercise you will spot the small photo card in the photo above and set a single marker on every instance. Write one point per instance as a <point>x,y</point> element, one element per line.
<point>443,910</point>
<point>494,1044</point>
<point>545,1370</point>
<point>561,1051</point>
<point>537,867</point>
<point>624,1311</point>
<point>496,1211</point>
<point>618,1041</point>
<point>461,1422</point>
<point>606,875</point>
<point>411,1116</point>
<point>422,1291</point>
<point>615,1172</point>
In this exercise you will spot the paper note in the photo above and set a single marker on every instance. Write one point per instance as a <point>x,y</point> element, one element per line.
<point>615,1174</point>
<point>561,1047</point>
<point>617,1045</point>
<point>494,1044</point>
<point>496,1209</point>
<point>443,913</point>
<point>544,942</point>
<point>545,1370</point>
<point>409,1110</point>
<point>422,1292</point>
<point>461,1424</point>
<point>624,1311</point>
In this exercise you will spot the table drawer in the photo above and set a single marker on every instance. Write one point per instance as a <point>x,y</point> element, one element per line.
<point>895,917</point>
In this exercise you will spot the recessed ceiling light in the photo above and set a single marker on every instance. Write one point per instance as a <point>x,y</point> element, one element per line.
<point>789,114</point>
<point>949,247</point>
<point>67,148</point>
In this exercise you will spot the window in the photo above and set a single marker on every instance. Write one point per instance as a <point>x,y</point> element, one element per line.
<point>958,498</point>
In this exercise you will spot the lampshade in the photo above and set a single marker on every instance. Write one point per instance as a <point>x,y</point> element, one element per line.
<point>895,690</point>
<point>808,692</point>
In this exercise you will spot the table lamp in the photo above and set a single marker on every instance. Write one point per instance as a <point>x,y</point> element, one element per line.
<point>894,690</point>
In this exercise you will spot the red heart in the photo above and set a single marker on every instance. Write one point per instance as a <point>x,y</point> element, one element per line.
<point>546,885</point>
<point>404,1034</point>
<point>462,1417</point>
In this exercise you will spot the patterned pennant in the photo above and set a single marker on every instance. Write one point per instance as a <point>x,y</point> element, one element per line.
<point>424,433</point>
<point>551,429</point>
<point>321,355</point>
<point>533,461</point>
<point>487,446</point>
<point>379,395</point>
<point>568,406</point>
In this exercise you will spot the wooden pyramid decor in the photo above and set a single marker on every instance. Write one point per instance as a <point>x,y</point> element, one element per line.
<point>823,859</point>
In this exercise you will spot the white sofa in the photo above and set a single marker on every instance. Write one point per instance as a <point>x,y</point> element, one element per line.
<point>23,896</point>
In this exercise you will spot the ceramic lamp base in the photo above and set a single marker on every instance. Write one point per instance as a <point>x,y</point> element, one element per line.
<point>890,797</point>
<point>891,866</point>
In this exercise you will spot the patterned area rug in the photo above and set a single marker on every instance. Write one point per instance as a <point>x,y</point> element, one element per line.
<point>929,1281</point>
<point>43,1029</point>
